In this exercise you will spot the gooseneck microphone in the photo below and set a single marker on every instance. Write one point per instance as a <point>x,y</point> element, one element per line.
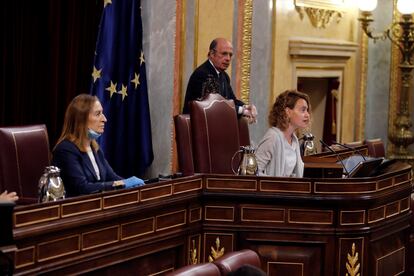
<point>338,156</point>
<point>354,150</point>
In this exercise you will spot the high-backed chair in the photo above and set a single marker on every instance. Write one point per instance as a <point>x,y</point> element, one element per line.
<point>24,154</point>
<point>244,136</point>
<point>184,139</point>
<point>234,260</point>
<point>375,147</point>
<point>184,144</point>
<point>354,144</point>
<point>206,269</point>
<point>215,134</point>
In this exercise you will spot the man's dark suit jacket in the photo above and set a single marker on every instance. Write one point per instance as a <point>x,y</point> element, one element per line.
<point>199,76</point>
<point>77,172</point>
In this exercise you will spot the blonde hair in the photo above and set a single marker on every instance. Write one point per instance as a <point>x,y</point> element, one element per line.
<point>75,127</point>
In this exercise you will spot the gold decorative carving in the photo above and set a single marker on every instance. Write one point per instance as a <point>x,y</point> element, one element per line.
<point>360,133</point>
<point>246,50</point>
<point>352,266</point>
<point>193,254</point>
<point>272,67</point>
<point>320,18</point>
<point>322,4</point>
<point>394,84</point>
<point>216,252</point>
<point>196,26</point>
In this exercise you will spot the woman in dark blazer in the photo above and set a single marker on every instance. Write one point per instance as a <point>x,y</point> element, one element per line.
<point>83,167</point>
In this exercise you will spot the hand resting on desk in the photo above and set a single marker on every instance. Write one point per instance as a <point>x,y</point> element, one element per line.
<point>133,181</point>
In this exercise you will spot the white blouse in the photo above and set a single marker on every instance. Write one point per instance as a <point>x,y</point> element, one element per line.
<point>290,158</point>
<point>95,166</point>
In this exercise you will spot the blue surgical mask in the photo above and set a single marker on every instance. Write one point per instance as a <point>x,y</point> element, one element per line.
<point>93,135</point>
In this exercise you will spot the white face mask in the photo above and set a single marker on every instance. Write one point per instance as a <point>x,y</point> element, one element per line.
<point>93,135</point>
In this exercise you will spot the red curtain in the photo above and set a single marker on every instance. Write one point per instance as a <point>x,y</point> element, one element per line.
<point>47,49</point>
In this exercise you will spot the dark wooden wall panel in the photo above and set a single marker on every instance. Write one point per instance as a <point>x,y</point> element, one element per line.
<point>317,227</point>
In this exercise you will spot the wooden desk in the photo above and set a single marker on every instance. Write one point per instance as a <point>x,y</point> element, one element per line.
<point>298,226</point>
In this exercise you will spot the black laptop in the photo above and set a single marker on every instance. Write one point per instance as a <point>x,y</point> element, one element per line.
<point>365,168</point>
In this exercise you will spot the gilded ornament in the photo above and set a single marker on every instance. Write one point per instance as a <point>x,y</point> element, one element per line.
<point>216,252</point>
<point>352,266</point>
<point>362,87</point>
<point>193,254</point>
<point>400,33</point>
<point>246,50</point>
<point>320,18</point>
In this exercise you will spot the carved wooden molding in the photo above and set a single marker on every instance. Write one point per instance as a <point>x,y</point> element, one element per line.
<point>329,48</point>
<point>320,18</point>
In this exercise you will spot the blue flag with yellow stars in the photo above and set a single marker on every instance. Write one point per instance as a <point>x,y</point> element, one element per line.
<point>119,81</point>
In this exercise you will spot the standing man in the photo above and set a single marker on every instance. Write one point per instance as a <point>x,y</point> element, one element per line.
<point>219,57</point>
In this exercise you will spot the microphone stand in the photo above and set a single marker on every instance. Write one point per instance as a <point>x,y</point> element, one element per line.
<point>338,156</point>
<point>354,150</point>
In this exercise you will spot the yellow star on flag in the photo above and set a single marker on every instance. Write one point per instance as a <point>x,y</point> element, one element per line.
<point>123,91</point>
<point>96,74</point>
<point>141,58</point>
<point>135,80</point>
<point>111,89</point>
<point>107,2</point>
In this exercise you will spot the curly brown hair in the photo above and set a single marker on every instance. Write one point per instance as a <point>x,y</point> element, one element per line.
<point>277,116</point>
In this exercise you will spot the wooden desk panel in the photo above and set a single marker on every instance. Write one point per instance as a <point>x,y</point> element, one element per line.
<point>298,226</point>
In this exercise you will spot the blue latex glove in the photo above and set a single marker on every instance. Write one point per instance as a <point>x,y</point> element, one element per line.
<point>133,181</point>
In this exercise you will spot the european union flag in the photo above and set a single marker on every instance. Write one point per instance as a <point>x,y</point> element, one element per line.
<point>119,81</point>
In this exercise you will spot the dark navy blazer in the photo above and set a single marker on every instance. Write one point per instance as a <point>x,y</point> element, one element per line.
<point>197,79</point>
<point>77,172</point>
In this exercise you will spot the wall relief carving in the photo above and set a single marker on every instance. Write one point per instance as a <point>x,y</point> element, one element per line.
<point>320,13</point>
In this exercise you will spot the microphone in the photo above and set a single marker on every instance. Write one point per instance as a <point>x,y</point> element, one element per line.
<point>338,156</point>
<point>354,150</point>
